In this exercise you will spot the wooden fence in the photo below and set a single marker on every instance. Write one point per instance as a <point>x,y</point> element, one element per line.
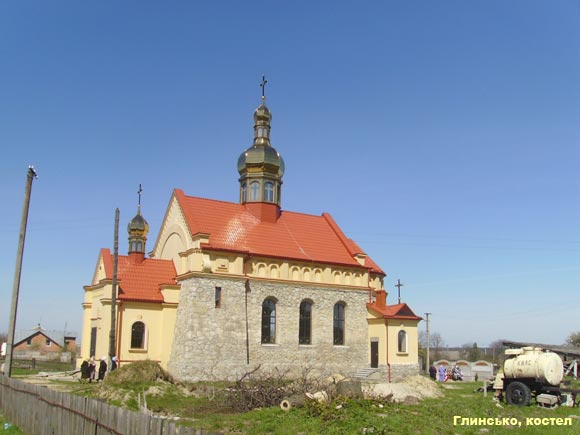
<point>38,410</point>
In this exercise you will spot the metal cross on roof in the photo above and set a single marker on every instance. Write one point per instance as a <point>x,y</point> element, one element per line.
<point>399,285</point>
<point>263,86</point>
<point>139,193</point>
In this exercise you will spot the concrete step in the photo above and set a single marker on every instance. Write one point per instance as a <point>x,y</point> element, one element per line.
<point>365,372</point>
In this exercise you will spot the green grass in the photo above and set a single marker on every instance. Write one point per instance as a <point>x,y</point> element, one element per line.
<point>12,430</point>
<point>23,368</point>
<point>205,410</point>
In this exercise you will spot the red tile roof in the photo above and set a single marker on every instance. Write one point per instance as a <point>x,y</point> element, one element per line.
<point>140,281</point>
<point>397,311</point>
<point>294,235</point>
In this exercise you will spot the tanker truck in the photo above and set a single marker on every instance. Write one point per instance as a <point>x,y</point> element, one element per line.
<point>533,372</point>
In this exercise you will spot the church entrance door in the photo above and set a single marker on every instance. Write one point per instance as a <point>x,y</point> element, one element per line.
<point>374,354</point>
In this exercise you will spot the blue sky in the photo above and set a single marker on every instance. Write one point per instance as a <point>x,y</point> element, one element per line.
<point>442,136</point>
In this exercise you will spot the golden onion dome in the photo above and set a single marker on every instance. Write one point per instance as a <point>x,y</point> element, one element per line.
<point>261,159</point>
<point>262,113</point>
<point>138,225</point>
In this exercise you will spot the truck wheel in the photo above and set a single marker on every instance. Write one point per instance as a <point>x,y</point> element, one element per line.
<point>518,394</point>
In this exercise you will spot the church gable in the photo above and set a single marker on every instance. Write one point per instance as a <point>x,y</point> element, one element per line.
<point>102,267</point>
<point>174,237</point>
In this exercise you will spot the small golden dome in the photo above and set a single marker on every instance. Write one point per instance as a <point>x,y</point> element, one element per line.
<point>262,113</point>
<point>138,225</point>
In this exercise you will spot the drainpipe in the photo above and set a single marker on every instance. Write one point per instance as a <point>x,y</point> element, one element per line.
<point>247,289</point>
<point>369,285</point>
<point>388,363</point>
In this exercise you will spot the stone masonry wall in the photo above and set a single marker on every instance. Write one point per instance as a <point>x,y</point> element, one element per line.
<point>402,371</point>
<point>210,342</point>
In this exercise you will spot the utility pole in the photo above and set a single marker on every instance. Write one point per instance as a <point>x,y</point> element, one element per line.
<point>113,332</point>
<point>427,321</point>
<point>30,175</point>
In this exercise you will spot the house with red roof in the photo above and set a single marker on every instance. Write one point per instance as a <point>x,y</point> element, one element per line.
<point>232,286</point>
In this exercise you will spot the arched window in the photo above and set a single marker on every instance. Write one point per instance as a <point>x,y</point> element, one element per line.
<point>305,325</point>
<point>254,191</point>
<point>338,338</point>
<point>269,321</point>
<point>244,192</point>
<point>269,191</point>
<point>402,341</point>
<point>138,335</point>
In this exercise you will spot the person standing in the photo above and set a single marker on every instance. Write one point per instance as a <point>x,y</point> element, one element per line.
<point>433,373</point>
<point>92,369</point>
<point>102,368</point>
<point>84,370</point>
<point>442,373</point>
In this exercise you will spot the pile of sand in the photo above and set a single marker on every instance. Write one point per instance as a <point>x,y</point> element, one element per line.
<point>411,390</point>
<point>141,371</point>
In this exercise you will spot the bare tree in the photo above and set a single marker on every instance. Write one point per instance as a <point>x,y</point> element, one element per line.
<point>436,344</point>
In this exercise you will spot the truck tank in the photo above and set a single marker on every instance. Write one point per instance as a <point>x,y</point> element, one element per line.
<point>533,362</point>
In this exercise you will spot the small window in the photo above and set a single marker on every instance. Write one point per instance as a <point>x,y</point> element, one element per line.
<point>402,342</point>
<point>338,329</point>
<point>244,192</point>
<point>269,321</point>
<point>218,297</point>
<point>138,335</point>
<point>29,341</point>
<point>305,325</point>
<point>269,191</point>
<point>48,342</point>
<point>254,191</point>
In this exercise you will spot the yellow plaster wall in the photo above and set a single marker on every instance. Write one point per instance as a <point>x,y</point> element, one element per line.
<point>170,294</point>
<point>96,313</point>
<point>169,312</point>
<point>412,354</point>
<point>173,238</point>
<point>378,330</point>
<point>86,332</point>
<point>99,272</point>
<point>262,267</point>
<point>159,325</point>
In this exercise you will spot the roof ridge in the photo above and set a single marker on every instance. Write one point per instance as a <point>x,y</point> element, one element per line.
<point>207,199</point>
<point>340,234</point>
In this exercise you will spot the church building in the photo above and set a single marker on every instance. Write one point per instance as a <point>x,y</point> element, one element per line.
<point>232,286</point>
